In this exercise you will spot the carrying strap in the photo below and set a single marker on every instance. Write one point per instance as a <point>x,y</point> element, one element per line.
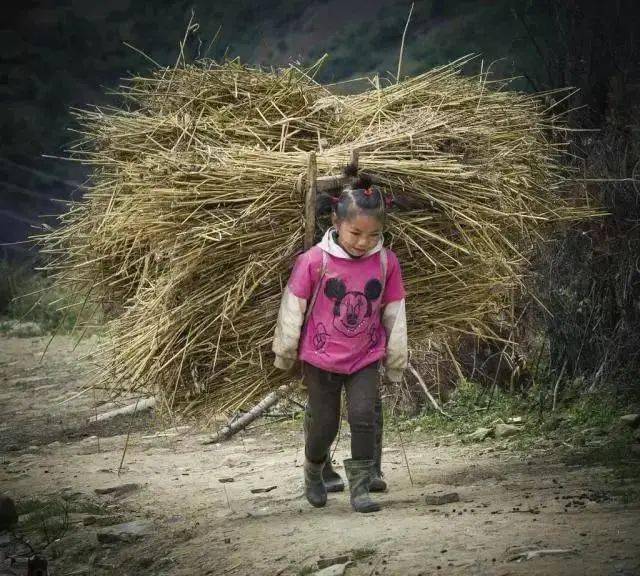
<point>316,290</point>
<point>323,271</point>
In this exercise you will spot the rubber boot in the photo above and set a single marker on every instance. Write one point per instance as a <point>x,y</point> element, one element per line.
<point>359,476</point>
<point>314,488</point>
<point>332,480</point>
<point>377,484</point>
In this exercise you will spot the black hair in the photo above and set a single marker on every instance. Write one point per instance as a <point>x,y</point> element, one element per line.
<point>359,195</point>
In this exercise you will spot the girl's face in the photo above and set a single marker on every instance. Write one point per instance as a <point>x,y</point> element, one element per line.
<point>358,234</point>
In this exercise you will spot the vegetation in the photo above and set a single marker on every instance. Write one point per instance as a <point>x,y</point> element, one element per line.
<point>31,296</point>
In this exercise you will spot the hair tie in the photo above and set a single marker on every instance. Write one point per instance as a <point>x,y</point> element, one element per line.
<point>368,191</point>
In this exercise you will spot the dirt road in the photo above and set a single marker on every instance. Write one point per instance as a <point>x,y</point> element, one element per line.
<point>236,508</point>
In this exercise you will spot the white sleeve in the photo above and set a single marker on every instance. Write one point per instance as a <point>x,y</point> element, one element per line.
<point>287,333</point>
<point>394,320</point>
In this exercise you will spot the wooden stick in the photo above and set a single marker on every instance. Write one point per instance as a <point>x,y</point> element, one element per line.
<point>126,443</point>
<point>241,423</point>
<point>433,401</point>
<point>310,202</point>
<point>355,157</point>
<point>138,406</point>
<point>404,453</point>
<point>324,183</point>
<point>555,388</point>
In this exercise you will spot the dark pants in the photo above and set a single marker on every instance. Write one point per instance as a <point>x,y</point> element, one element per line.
<point>322,416</point>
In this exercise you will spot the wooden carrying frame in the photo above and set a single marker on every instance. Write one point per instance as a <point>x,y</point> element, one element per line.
<point>314,186</point>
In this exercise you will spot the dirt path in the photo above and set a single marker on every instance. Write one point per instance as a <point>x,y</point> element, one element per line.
<point>190,523</point>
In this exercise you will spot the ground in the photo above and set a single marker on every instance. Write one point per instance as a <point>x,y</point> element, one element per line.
<point>190,523</point>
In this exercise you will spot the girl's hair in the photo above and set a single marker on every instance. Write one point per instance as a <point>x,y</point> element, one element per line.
<point>359,196</point>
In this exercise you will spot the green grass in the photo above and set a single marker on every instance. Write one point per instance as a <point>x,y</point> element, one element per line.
<point>27,295</point>
<point>583,429</point>
<point>45,520</point>
<point>470,407</point>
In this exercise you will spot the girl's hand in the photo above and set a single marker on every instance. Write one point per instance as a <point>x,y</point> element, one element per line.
<point>393,376</point>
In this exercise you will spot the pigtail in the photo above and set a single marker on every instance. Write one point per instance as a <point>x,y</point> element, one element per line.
<point>325,204</point>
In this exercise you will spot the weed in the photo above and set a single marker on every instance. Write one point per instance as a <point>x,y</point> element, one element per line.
<point>362,553</point>
<point>29,295</point>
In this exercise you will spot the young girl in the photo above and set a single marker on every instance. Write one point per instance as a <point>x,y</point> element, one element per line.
<point>342,314</point>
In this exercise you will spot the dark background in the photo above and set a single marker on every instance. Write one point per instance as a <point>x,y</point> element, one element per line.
<point>57,55</point>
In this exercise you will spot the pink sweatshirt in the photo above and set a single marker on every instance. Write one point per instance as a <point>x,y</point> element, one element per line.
<point>345,330</point>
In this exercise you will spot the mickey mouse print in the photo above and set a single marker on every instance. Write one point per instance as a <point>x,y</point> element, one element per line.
<point>343,332</point>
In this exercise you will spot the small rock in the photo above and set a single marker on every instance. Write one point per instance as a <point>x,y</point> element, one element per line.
<point>326,562</point>
<point>226,480</point>
<point>262,490</point>
<point>127,532</point>
<point>24,329</point>
<point>506,430</point>
<point>334,570</point>
<point>632,420</point>
<point>440,499</point>
<point>119,490</point>
<point>479,435</point>
<point>8,513</point>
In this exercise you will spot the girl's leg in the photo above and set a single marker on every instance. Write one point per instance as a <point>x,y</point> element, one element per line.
<point>377,483</point>
<point>322,415</point>
<point>332,479</point>
<point>362,392</point>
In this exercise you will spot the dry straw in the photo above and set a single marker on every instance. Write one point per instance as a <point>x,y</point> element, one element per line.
<point>192,220</point>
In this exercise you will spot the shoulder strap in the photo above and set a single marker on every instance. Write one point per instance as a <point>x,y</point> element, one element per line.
<point>383,267</point>
<point>316,289</point>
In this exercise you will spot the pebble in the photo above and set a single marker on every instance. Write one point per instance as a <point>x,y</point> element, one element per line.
<point>440,499</point>
<point>127,532</point>
<point>632,420</point>
<point>118,490</point>
<point>506,430</point>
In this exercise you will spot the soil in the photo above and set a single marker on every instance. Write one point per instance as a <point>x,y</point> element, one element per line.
<point>518,513</point>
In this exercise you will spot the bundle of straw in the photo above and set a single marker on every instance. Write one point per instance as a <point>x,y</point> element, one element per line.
<point>192,220</point>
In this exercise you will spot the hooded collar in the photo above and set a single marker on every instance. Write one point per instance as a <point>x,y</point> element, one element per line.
<point>330,246</point>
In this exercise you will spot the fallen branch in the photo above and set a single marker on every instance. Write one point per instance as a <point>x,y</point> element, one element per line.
<point>231,428</point>
<point>433,401</point>
<point>141,404</point>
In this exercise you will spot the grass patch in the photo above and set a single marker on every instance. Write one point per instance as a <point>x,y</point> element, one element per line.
<point>586,429</point>
<point>27,295</point>
<point>362,553</point>
<point>471,406</point>
<point>46,520</point>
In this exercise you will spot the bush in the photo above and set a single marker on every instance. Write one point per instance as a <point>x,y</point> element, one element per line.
<point>28,295</point>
